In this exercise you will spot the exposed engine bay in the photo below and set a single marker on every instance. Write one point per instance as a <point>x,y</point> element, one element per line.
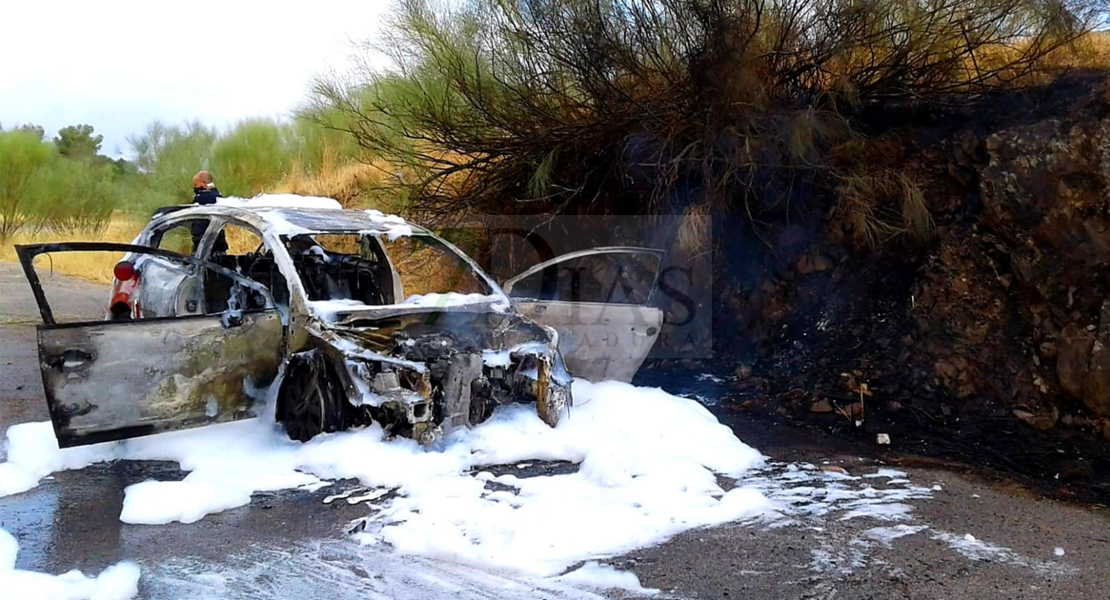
<point>418,375</point>
<point>439,371</point>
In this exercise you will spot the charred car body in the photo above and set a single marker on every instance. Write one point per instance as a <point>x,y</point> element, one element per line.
<point>354,316</point>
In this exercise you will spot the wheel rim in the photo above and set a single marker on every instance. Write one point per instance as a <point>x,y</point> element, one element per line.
<point>306,409</point>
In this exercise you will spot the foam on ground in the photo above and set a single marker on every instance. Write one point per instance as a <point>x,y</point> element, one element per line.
<point>33,454</point>
<point>605,577</point>
<point>8,550</point>
<point>649,466</point>
<point>118,582</point>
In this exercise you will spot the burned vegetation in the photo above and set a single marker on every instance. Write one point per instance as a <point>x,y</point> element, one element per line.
<point>864,173</point>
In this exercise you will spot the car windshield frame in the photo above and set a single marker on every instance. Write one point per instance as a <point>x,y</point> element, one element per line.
<point>494,295</point>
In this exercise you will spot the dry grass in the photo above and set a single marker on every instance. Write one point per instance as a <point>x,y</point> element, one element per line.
<point>241,241</point>
<point>89,266</point>
<point>426,270</point>
<point>97,266</point>
<point>346,181</point>
<point>873,209</point>
<point>422,269</point>
<point>1089,52</point>
<point>696,227</point>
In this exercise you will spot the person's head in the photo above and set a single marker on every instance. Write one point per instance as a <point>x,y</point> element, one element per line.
<point>202,180</point>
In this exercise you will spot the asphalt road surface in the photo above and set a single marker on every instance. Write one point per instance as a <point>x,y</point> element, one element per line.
<point>962,538</point>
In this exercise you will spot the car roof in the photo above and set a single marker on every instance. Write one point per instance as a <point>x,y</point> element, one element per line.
<point>292,220</point>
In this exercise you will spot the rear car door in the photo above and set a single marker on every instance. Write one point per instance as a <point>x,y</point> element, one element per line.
<point>599,301</point>
<point>109,379</point>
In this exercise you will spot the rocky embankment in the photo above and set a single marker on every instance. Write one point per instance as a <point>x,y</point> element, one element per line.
<point>991,342</point>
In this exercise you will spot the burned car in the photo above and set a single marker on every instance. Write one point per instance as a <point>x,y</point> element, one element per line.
<point>342,317</point>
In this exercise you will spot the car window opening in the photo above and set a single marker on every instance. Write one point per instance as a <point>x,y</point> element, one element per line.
<point>354,267</point>
<point>242,250</point>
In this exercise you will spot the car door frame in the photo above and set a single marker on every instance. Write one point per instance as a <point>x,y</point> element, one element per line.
<point>28,252</point>
<point>266,363</point>
<point>146,238</point>
<point>579,361</point>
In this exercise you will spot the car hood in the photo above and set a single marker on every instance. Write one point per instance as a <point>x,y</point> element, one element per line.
<point>425,334</point>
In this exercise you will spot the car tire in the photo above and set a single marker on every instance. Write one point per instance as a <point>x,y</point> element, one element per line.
<point>311,400</point>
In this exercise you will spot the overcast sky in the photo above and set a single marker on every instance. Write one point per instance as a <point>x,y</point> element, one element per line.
<point>120,64</point>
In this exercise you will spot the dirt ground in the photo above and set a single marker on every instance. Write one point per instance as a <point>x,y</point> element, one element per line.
<point>962,536</point>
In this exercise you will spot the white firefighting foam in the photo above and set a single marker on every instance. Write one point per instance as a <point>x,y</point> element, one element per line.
<point>648,469</point>
<point>118,582</point>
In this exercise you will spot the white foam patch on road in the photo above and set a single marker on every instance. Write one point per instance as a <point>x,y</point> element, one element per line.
<point>33,454</point>
<point>838,559</point>
<point>886,535</point>
<point>605,577</point>
<point>888,473</point>
<point>14,479</point>
<point>118,582</point>
<point>833,505</point>
<point>649,467</point>
<point>800,492</point>
<point>344,570</point>
<point>9,548</point>
<point>160,502</point>
<point>975,549</point>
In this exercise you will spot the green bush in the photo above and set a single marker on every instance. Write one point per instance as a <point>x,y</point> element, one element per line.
<point>24,162</point>
<point>65,183</point>
<point>77,195</point>
<point>319,140</point>
<point>40,189</point>
<point>253,156</point>
<point>167,157</point>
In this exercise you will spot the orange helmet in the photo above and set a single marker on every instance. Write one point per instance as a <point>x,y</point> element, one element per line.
<point>201,179</point>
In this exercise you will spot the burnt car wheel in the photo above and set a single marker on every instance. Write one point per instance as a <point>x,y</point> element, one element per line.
<point>311,399</point>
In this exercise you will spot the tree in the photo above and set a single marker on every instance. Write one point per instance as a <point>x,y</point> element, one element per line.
<point>254,155</point>
<point>167,157</point>
<point>35,130</point>
<point>24,159</point>
<point>78,142</point>
<point>756,108</point>
<point>121,167</point>
<point>30,128</point>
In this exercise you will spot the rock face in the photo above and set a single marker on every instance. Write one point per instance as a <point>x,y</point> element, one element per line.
<point>1016,305</point>
<point>1005,312</point>
<point>1047,191</point>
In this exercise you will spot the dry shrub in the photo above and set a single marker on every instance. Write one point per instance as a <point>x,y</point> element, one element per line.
<point>1090,51</point>
<point>873,209</point>
<point>641,107</point>
<point>427,270</point>
<point>694,230</point>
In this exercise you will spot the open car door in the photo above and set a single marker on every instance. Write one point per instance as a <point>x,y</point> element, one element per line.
<point>599,302</point>
<point>113,379</point>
